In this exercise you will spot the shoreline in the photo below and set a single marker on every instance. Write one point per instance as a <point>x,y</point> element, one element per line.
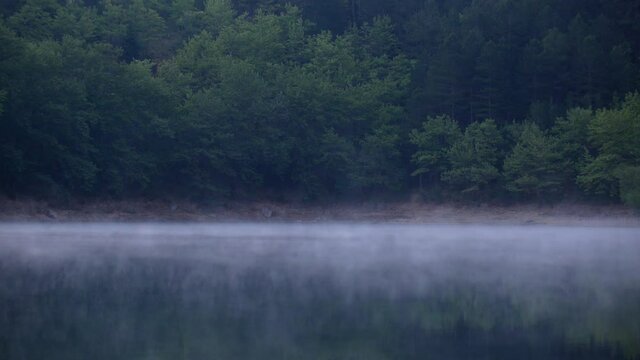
<point>263,211</point>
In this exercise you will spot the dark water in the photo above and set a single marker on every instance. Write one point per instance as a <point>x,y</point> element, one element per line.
<point>318,292</point>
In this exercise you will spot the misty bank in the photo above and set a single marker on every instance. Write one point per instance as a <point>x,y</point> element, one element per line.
<point>367,212</point>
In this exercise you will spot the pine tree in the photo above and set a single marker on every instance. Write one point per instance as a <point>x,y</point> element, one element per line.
<point>533,168</point>
<point>433,141</point>
<point>473,159</point>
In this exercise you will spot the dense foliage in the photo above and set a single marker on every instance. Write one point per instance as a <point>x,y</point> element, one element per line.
<point>478,100</point>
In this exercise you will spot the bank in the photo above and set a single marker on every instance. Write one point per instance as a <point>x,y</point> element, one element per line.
<point>368,212</point>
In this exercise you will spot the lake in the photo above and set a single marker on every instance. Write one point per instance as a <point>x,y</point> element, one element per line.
<point>318,291</point>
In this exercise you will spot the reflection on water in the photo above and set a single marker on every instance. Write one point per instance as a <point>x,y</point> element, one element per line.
<point>318,292</point>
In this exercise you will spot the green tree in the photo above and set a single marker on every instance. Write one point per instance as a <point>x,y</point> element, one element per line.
<point>240,97</point>
<point>445,84</point>
<point>490,82</point>
<point>137,29</point>
<point>433,141</point>
<point>473,158</point>
<point>47,125</point>
<point>572,133</point>
<point>629,177</point>
<point>216,15</point>
<point>132,132</point>
<point>616,135</point>
<point>35,19</point>
<point>11,156</point>
<point>533,168</point>
<point>335,162</point>
<point>589,65</point>
<point>379,163</point>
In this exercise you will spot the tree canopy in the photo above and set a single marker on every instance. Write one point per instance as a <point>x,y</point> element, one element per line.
<point>206,99</point>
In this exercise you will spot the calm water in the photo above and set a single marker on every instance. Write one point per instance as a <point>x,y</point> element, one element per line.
<point>114,291</point>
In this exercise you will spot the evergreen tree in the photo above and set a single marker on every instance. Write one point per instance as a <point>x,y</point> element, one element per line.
<point>473,158</point>
<point>433,142</point>
<point>378,165</point>
<point>533,168</point>
<point>572,133</point>
<point>616,135</point>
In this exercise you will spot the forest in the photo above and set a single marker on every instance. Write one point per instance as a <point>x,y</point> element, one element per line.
<point>460,100</point>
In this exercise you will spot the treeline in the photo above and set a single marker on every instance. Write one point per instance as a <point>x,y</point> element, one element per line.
<point>477,100</point>
<point>597,151</point>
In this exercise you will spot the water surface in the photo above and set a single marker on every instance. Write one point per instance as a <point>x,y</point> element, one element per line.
<point>322,291</point>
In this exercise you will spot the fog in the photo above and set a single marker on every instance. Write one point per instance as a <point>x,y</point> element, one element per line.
<point>580,284</point>
<point>537,253</point>
<point>391,259</point>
